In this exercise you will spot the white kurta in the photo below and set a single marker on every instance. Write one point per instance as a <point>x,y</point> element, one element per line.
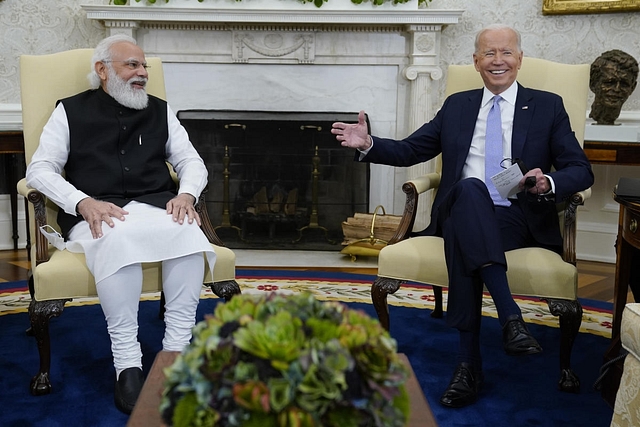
<point>148,233</point>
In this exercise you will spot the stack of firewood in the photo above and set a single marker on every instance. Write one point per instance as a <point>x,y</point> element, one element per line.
<point>358,227</point>
<point>280,201</point>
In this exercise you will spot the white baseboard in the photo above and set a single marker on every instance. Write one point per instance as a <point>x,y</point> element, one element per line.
<point>6,240</point>
<point>596,242</point>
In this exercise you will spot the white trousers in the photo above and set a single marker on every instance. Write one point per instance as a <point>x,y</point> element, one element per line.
<point>119,296</point>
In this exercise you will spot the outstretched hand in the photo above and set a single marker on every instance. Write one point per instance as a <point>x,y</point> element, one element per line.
<point>95,211</point>
<point>353,135</point>
<point>182,206</point>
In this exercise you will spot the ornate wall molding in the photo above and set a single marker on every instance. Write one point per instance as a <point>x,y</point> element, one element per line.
<point>269,45</point>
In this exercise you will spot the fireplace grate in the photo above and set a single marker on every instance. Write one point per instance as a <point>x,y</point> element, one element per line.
<point>278,180</point>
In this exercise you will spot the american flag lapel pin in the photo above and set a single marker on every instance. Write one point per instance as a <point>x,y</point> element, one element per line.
<point>526,107</point>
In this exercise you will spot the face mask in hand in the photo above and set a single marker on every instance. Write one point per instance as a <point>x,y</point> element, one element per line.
<point>53,237</point>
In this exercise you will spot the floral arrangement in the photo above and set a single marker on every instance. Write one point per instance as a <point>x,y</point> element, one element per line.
<point>317,3</point>
<point>282,361</point>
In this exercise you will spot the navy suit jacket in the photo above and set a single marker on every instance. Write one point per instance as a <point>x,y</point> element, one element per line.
<point>542,138</point>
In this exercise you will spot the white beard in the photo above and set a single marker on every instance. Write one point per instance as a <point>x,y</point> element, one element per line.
<point>122,91</point>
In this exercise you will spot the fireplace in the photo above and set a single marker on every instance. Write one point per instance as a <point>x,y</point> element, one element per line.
<point>277,180</point>
<point>314,60</point>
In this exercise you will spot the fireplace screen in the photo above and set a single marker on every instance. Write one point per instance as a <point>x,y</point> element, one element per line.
<point>278,180</point>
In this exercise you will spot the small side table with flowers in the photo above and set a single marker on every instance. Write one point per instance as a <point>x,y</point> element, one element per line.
<point>233,371</point>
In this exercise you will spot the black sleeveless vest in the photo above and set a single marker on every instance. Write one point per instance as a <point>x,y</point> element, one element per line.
<point>117,154</point>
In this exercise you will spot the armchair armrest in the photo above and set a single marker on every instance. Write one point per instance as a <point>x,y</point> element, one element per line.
<point>207,228</point>
<point>39,202</point>
<point>201,209</point>
<point>413,188</point>
<point>570,229</point>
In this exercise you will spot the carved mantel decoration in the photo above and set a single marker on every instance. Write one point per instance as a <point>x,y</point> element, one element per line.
<point>340,46</point>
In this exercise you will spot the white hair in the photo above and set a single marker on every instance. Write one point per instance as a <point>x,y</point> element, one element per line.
<point>102,52</point>
<point>498,27</point>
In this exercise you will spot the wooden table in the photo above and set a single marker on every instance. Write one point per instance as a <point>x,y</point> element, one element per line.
<point>12,147</point>
<point>612,153</point>
<point>146,413</point>
<point>628,243</point>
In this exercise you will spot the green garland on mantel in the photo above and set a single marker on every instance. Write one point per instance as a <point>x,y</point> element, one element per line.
<point>317,3</point>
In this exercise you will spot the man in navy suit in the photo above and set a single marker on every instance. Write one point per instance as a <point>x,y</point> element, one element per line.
<point>476,223</point>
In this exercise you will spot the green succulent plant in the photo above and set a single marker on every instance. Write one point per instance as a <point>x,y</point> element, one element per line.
<point>282,361</point>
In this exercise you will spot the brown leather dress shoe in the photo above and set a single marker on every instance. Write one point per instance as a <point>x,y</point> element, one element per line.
<point>128,388</point>
<point>517,340</point>
<point>464,387</point>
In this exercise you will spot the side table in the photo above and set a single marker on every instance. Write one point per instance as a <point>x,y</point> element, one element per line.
<point>628,243</point>
<point>612,153</point>
<point>146,412</point>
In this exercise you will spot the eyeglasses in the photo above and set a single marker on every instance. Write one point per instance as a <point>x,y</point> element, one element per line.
<point>132,65</point>
<point>507,163</point>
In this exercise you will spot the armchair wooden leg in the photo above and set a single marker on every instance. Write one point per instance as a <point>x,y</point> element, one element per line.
<point>570,313</point>
<point>437,309</point>
<point>39,314</point>
<point>225,289</point>
<point>380,289</point>
<point>29,330</point>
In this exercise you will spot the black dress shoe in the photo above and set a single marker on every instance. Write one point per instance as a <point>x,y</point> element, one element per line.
<point>128,388</point>
<point>516,338</point>
<point>464,387</point>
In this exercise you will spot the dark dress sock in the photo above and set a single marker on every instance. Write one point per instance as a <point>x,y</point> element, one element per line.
<point>469,351</point>
<point>494,277</point>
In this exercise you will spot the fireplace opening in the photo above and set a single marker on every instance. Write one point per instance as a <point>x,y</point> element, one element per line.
<point>278,180</point>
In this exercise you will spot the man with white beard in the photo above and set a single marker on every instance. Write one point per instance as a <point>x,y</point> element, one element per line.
<point>119,204</point>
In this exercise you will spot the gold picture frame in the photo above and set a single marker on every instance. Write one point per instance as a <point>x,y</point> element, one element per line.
<point>571,7</point>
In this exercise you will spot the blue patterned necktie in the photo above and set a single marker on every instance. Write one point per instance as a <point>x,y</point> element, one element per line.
<point>493,151</point>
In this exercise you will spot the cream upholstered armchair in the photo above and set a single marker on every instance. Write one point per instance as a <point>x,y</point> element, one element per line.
<point>59,276</point>
<point>531,271</point>
<point>626,410</point>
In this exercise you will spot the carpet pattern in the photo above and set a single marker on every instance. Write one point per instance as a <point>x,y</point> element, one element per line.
<point>346,287</point>
<point>517,391</point>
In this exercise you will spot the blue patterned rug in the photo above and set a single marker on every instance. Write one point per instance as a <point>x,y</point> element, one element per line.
<point>518,391</point>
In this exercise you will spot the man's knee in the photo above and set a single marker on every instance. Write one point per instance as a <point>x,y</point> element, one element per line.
<point>470,193</point>
<point>473,185</point>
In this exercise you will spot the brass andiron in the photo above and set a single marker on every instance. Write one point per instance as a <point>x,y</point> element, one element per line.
<point>226,218</point>
<point>313,219</point>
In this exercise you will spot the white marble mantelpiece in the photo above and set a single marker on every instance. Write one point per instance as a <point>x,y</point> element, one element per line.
<point>241,13</point>
<point>299,59</point>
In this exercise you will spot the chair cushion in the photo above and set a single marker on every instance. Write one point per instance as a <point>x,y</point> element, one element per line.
<point>630,329</point>
<point>531,271</point>
<point>66,275</point>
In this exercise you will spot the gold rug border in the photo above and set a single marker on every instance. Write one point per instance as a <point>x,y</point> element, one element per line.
<point>593,321</point>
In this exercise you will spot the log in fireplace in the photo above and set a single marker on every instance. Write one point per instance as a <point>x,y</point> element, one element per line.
<point>278,180</point>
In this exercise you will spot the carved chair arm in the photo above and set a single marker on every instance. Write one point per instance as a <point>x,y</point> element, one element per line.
<point>201,209</point>
<point>207,228</point>
<point>570,230</point>
<point>39,202</point>
<point>413,188</point>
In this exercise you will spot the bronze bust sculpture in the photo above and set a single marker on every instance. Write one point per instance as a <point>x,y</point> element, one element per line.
<point>613,77</point>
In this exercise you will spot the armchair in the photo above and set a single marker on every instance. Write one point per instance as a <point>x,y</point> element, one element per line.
<point>626,410</point>
<point>59,276</point>
<point>532,271</point>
